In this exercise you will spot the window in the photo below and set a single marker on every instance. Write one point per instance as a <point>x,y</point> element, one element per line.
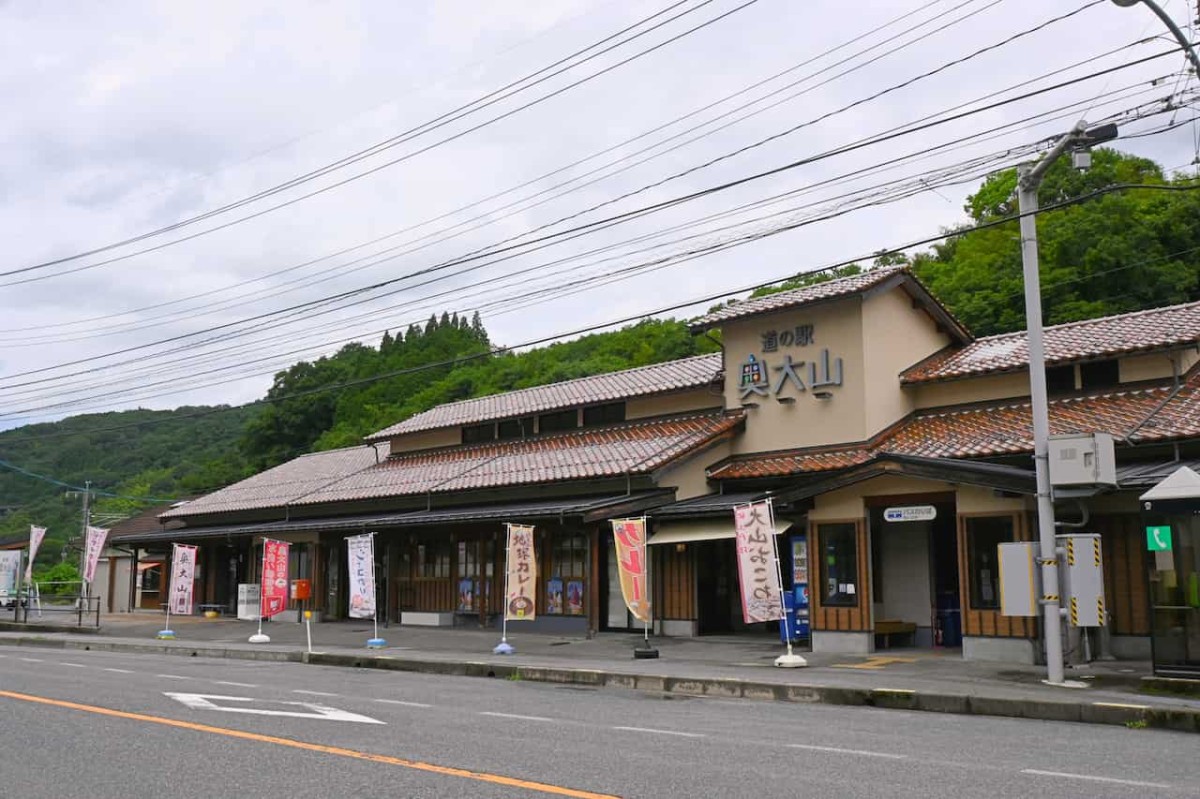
<point>562,420</point>
<point>984,535</point>
<point>839,564</point>
<point>478,433</point>
<point>609,413</point>
<point>1060,379</point>
<point>1099,374</point>
<point>515,428</point>
<point>433,560</point>
<point>568,569</point>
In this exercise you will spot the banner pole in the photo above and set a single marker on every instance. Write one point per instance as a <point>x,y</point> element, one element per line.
<point>166,633</point>
<point>504,647</point>
<point>259,637</point>
<point>376,642</point>
<point>649,589</point>
<point>790,660</point>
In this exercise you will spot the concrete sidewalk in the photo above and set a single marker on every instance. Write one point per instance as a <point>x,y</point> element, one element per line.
<point>934,680</point>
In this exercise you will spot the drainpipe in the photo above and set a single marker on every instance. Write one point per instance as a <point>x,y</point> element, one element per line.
<point>1176,387</point>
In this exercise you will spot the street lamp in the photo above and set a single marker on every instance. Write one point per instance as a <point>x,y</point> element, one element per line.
<point>1170,23</point>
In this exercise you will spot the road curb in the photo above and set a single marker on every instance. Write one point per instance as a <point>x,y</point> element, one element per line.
<point>1180,719</point>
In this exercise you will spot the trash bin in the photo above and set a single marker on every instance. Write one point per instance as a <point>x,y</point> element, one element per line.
<point>948,631</point>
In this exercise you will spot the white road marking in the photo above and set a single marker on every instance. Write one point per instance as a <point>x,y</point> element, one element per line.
<point>661,732</point>
<point>120,671</point>
<point>313,693</point>
<point>514,716</point>
<point>1121,705</point>
<point>839,751</point>
<point>311,711</point>
<point>235,684</point>
<point>1069,776</point>
<point>32,660</point>
<point>405,704</point>
<point>172,677</point>
<point>73,665</point>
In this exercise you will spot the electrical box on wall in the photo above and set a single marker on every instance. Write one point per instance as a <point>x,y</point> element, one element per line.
<point>1083,579</point>
<point>1083,460</point>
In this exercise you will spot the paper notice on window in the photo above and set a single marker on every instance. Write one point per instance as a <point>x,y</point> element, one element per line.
<point>849,588</point>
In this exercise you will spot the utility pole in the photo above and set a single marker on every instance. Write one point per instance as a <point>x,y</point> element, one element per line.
<point>1170,23</point>
<point>1028,182</point>
<point>86,589</point>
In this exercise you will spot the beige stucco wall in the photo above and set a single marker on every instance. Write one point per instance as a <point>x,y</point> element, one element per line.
<point>688,476</point>
<point>808,421</point>
<point>847,503</point>
<point>1156,366</point>
<point>677,402</point>
<point>427,439</point>
<point>974,389</point>
<point>895,336</point>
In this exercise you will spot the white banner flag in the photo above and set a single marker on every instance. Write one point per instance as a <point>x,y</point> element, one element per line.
<point>183,575</point>
<point>521,580</point>
<point>360,558</point>
<point>758,571</point>
<point>36,534</point>
<point>93,547</point>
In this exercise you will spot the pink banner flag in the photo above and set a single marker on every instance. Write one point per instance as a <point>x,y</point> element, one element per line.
<point>93,546</point>
<point>183,576</point>
<point>36,534</point>
<point>520,602</point>
<point>274,577</point>
<point>758,569</point>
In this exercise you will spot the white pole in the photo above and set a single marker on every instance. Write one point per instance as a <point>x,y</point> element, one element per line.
<point>259,638</point>
<point>649,592</point>
<point>167,632</point>
<point>505,648</point>
<point>376,642</point>
<point>791,660</point>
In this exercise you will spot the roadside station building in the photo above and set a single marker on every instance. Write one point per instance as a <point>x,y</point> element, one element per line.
<point>895,446</point>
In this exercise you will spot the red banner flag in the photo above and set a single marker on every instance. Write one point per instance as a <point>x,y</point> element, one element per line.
<point>274,577</point>
<point>630,538</point>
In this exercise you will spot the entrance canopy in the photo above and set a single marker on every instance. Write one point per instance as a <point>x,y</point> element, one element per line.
<point>1178,492</point>
<point>683,532</point>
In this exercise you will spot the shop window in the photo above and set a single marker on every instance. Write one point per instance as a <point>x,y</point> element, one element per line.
<point>562,420</point>
<point>565,590</point>
<point>473,582</point>
<point>984,536</point>
<point>478,433</point>
<point>609,413</point>
<point>1060,379</point>
<point>433,560</point>
<point>515,428</point>
<point>839,564</point>
<point>1099,374</point>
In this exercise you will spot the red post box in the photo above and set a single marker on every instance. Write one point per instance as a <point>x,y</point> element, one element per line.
<point>301,589</point>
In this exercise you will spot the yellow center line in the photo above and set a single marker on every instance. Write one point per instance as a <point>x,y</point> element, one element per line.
<point>433,768</point>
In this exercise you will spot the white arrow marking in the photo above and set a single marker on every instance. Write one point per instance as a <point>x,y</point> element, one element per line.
<point>312,711</point>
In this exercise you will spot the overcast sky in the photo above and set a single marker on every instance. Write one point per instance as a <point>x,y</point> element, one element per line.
<point>125,117</point>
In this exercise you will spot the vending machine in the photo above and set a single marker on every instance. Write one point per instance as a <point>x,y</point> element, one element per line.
<point>799,603</point>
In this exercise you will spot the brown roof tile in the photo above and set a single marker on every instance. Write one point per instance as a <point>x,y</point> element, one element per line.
<point>997,429</point>
<point>1156,328</point>
<point>281,485</point>
<point>658,378</point>
<point>630,448</point>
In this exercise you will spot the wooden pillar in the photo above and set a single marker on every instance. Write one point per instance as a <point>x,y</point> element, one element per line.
<point>593,600</point>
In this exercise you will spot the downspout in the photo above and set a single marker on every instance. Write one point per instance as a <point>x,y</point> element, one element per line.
<point>1177,386</point>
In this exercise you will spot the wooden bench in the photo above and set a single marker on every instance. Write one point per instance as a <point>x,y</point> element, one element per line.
<point>886,628</point>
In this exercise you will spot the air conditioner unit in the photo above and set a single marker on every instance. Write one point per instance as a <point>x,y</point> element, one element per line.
<point>1083,460</point>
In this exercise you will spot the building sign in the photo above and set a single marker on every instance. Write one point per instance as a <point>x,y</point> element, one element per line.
<point>910,513</point>
<point>521,574</point>
<point>798,336</point>
<point>10,570</point>
<point>760,377</point>
<point>1158,539</point>
<point>758,566</point>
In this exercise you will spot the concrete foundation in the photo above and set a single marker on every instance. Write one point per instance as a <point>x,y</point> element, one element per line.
<point>1004,650</point>
<point>1130,647</point>
<point>677,629</point>
<point>843,643</point>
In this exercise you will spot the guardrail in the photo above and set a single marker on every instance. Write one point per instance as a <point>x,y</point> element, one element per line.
<point>64,609</point>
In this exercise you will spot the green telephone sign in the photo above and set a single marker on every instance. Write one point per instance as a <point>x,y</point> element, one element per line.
<point>1158,539</point>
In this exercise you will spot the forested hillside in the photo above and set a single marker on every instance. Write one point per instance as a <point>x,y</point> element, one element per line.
<point>1108,254</point>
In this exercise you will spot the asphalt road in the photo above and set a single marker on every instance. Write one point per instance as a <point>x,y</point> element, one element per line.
<point>96,725</point>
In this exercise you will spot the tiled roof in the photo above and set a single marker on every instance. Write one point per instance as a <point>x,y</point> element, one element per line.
<point>281,485</point>
<point>694,372</point>
<point>1153,329</point>
<point>998,429</point>
<point>830,289</point>
<point>630,448</point>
